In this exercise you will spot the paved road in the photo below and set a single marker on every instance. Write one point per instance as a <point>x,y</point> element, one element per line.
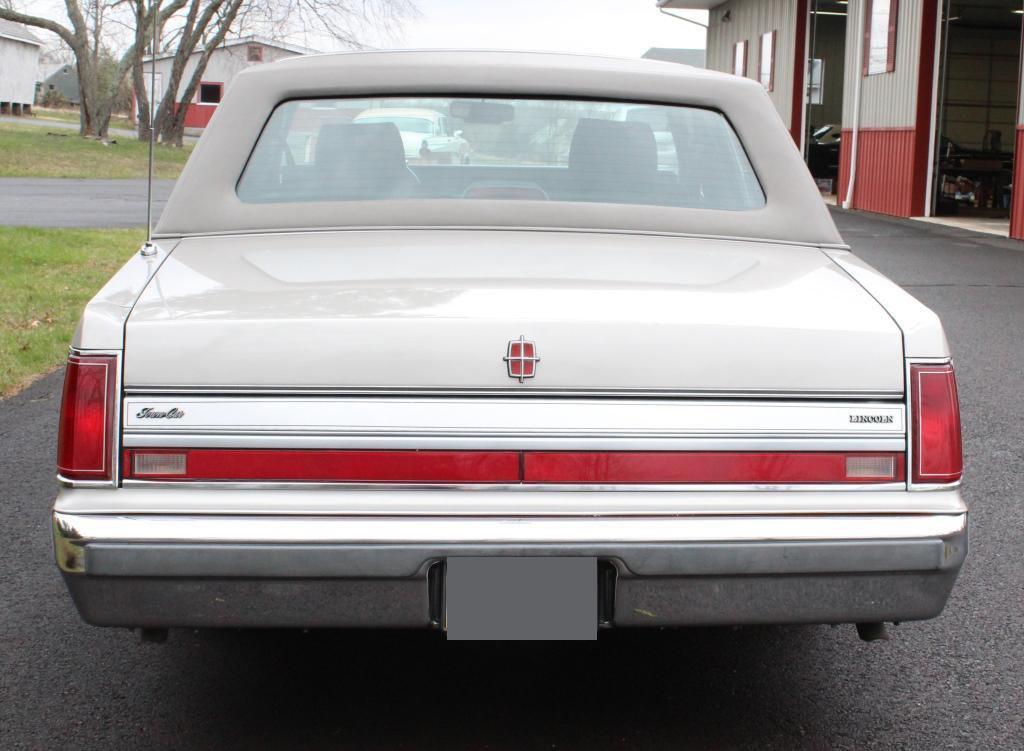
<point>58,202</point>
<point>952,683</point>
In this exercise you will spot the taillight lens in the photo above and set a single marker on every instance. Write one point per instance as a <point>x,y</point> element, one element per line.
<point>709,467</point>
<point>85,437</point>
<point>322,465</point>
<point>511,467</point>
<point>937,450</point>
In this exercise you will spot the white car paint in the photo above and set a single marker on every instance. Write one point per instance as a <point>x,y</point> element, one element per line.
<point>384,325</point>
<point>434,310</point>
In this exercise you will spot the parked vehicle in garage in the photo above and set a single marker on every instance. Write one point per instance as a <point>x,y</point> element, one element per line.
<point>532,396</point>
<point>823,153</point>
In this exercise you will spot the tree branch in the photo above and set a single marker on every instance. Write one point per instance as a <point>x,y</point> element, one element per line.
<point>40,23</point>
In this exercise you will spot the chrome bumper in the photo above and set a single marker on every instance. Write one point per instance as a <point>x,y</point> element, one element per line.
<point>333,571</point>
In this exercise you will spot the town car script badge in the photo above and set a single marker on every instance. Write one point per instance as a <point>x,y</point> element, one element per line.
<point>521,359</point>
<point>148,413</point>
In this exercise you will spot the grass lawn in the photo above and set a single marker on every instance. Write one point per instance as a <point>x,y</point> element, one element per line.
<point>33,151</point>
<point>46,278</point>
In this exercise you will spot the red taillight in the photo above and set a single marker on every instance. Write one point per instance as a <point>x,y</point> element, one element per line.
<point>937,450</point>
<point>85,437</point>
<point>511,467</point>
<point>710,467</point>
<point>324,465</point>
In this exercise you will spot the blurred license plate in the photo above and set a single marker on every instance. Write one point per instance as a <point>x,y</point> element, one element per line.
<point>521,598</point>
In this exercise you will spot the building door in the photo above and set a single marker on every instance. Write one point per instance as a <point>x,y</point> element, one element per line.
<point>824,96</point>
<point>977,112</point>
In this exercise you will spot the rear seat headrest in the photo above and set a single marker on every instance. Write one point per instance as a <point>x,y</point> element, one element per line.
<point>362,157</point>
<point>613,147</point>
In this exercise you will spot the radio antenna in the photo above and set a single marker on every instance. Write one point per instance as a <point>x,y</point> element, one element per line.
<point>149,248</point>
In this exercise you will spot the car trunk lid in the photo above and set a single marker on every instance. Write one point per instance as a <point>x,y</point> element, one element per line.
<point>434,311</point>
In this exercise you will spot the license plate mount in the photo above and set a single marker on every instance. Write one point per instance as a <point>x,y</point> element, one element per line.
<point>521,598</point>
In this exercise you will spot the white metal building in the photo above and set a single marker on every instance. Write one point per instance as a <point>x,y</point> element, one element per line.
<point>19,68</point>
<point>925,97</point>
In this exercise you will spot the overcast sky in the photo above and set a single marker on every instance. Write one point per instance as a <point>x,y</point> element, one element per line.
<point>626,28</point>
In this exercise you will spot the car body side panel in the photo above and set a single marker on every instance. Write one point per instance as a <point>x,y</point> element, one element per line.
<point>101,326</point>
<point>922,331</point>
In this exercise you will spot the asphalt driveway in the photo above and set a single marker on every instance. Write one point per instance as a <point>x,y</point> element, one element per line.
<point>952,683</point>
<point>59,202</point>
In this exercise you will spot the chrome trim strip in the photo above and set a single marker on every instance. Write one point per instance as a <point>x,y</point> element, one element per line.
<point>521,418</point>
<point>72,532</point>
<point>518,487</point>
<point>496,228</point>
<point>141,497</point>
<point>528,391</point>
<point>499,443</point>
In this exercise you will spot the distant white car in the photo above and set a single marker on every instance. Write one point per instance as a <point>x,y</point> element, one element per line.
<point>568,386</point>
<point>426,134</point>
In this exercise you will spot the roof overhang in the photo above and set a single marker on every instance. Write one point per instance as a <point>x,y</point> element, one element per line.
<point>14,38</point>
<point>238,41</point>
<point>690,4</point>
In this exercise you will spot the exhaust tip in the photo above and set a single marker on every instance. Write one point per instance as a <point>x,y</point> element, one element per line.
<point>872,631</point>
<point>153,635</point>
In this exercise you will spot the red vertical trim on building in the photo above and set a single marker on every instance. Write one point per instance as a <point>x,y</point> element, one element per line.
<point>885,170</point>
<point>925,102</point>
<point>1017,206</point>
<point>1017,195</point>
<point>846,134</point>
<point>796,122</point>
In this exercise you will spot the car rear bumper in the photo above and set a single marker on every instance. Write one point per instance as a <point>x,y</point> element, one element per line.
<point>162,570</point>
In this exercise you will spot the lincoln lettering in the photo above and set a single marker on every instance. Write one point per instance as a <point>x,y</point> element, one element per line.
<point>151,414</point>
<point>871,418</point>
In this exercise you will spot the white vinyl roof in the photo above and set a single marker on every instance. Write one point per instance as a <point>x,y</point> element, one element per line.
<point>205,201</point>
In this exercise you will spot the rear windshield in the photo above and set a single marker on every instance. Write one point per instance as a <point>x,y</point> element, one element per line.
<point>499,149</point>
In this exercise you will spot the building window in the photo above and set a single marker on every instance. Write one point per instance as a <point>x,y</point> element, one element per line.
<point>880,36</point>
<point>766,61</point>
<point>210,93</point>
<point>254,53</point>
<point>739,58</point>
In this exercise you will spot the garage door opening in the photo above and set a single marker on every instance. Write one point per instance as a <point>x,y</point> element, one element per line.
<point>825,74</point>
<point>977,114</point>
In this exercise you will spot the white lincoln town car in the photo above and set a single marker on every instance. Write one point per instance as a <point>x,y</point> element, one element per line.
<point>585,381</point>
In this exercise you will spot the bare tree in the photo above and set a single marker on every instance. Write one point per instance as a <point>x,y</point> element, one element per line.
<point>204,28</point>
<point>205,24</point>
<point>192,30</point>
<point>83,34</point>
